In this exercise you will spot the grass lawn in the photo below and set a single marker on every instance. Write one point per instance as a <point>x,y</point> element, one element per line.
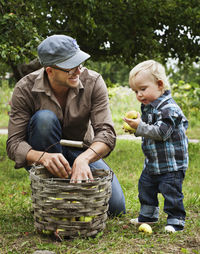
<point>17,234</point>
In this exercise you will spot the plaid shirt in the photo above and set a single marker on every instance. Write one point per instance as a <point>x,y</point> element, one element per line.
<point>164,141</point>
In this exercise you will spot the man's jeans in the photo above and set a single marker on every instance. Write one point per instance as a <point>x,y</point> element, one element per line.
<point>44,130</point>
<point>170,186</point>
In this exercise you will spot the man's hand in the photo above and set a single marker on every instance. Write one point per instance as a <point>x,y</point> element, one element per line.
<point>56,164</point>
<point>81,171</point>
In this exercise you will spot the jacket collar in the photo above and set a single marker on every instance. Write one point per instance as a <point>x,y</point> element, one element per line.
<point>156,104</point>
<point>42,84</point>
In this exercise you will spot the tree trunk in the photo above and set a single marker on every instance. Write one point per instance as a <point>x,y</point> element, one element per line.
<point>22,70</point>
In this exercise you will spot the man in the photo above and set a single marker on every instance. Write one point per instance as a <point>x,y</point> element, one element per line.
<point>63,100</point>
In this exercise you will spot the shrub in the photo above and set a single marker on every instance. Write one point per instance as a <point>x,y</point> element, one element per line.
<point>187,95</point>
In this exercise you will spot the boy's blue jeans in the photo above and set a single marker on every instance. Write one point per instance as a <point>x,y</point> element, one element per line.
<point>44,130</point>
<point>170,186</point>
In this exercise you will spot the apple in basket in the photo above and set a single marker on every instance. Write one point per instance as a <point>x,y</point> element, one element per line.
<point>53,198</point>
<point>46,232</point>
<point>86,218</point>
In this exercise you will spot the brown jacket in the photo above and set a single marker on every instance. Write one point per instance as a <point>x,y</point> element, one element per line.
<point>87,115</point>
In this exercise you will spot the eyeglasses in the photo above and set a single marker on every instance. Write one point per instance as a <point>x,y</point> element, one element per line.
<point>71,71</point>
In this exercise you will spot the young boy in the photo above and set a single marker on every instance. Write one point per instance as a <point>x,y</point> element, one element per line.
<point>164,143</point>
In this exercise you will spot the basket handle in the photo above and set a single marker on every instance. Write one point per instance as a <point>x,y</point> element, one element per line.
<point>72,143</point>
<point>80,144</point>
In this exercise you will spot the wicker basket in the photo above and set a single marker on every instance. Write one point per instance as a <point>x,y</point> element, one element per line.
<point>70,209</point>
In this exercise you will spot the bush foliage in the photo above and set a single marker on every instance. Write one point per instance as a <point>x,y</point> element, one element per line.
<point>187,95</point>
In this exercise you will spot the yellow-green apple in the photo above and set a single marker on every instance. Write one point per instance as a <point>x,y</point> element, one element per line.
<point>128,128</point>
<point>131,115</point>
<point>46,232</point>
<point>86,218</point>
<point>144,227</point>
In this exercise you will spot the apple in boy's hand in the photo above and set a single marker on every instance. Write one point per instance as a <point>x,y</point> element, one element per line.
<point>128,128</point>
<point>131,115</point>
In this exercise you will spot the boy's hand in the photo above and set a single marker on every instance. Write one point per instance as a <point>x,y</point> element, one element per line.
<point>133,123</point>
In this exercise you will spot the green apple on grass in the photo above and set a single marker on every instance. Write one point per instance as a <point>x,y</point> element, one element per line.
<point>146,228</point>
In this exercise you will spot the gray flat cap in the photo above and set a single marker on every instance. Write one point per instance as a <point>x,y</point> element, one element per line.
<point>62,51</point>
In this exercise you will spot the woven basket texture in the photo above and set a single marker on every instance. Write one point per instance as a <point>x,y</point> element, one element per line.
<point>70,209</point>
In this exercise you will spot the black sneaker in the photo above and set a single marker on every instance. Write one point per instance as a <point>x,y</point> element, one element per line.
<point>136,221</point>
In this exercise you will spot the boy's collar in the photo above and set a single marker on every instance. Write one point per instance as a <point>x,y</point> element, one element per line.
<point>155,104</point>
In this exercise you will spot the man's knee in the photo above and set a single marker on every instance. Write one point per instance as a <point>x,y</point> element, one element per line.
<point>44,118</point>
<point>44,121</point>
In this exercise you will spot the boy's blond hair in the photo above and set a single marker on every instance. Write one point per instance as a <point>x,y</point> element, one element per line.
<point>155,68</point>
